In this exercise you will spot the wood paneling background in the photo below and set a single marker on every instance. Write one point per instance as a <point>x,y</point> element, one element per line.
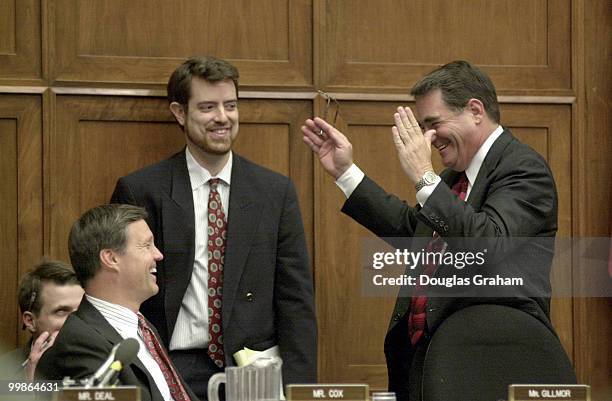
<point>82,86</point>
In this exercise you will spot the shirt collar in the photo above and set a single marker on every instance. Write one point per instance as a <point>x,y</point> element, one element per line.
<point>118,316</point>
<point>472,171</point>
<point>199,176</point>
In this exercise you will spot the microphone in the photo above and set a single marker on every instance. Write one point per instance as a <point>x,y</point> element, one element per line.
<point>125,354</point>
<point>122,354</point>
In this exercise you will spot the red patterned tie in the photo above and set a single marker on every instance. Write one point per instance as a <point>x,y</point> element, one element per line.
<point>417,316</point>
<point>217,232</point>
<point>177,391</point>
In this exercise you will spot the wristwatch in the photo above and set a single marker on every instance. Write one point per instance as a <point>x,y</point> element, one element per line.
<point>429,178</point>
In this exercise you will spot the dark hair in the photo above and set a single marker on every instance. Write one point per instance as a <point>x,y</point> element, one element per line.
<point>30,287</point>
<point>208,68</point>
<point>103,227</point>
<point>459,82</point>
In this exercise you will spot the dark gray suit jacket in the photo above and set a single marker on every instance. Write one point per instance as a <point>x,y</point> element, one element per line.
<point>81,347</point>
<point>268,294</point>
<point>11,363</point>
<point>514,196</point>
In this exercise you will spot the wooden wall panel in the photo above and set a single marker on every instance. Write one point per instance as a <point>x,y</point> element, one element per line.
<point>21,200</point>
<point>98,139</point>
<point>593,189</point>
<point>143,41</point>
<point>549,50</point>
<point>516,41</point>
<point>20,40</point>
<point>353,325</point>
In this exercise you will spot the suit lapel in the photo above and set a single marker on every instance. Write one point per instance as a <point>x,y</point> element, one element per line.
<point>90,315</point>
<point>178,239</point>
<point>244,216</point>
<point>479,187</point>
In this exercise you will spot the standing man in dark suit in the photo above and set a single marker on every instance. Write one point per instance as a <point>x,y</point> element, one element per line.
<point>493,187</point>
<point>236,271</point>
<point>114,257</point>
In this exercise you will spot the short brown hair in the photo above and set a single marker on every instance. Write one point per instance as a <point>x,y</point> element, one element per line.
<point>459,81</point>
<point>103,227</point>
<point>208,68</point>
<point>30,287</point>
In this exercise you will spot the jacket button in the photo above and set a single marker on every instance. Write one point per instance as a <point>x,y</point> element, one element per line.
<point>397,317</point>
<point>249,296</point>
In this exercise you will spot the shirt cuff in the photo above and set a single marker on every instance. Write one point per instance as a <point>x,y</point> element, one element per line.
<point>349,180</point>
<point>424,193</point>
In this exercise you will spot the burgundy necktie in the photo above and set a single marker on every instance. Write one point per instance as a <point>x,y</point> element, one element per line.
<point>417,316</point>
<point>217,233</point>
<point>157,351</point>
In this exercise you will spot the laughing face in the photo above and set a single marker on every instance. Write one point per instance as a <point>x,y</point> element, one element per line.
<point>456,137</point>
<point>138,262</point>
<point>211,119</point>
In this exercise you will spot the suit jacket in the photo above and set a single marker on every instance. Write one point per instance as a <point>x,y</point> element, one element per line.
<point>268,293</point>
<point>81,347</point>
<point>11,363</point>
<point>513,196</point>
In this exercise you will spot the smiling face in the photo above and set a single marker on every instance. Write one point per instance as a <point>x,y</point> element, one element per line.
<point>457,137</point>
<point>210,122</point>
<point>137,263</point>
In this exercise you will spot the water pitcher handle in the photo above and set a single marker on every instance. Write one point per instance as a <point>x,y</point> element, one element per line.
<point>213,386</point>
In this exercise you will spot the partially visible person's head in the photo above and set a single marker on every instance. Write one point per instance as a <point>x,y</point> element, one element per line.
<point>113,246</point>
<point>459,102</point>
<point>203,97</point>
<point>47,295</point>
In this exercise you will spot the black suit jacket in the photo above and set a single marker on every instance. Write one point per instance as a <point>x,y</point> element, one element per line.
<point>82,346</point>
<point>513,196</point>
<point>268,294</point>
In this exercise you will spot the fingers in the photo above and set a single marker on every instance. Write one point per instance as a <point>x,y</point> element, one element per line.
<point>407,124</point>
<point>317,131</point>
<point>397,139</point>
<point>41,340</point>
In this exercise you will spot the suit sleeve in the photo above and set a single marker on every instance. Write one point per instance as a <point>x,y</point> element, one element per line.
<point>294,297</point>
<point>520,201</point>
<point>380,212</point>
<point>79,358</point>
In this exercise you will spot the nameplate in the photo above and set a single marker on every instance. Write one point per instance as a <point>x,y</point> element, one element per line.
<point>123,393</point>
<point>318,392</point>
<point>549,392</point>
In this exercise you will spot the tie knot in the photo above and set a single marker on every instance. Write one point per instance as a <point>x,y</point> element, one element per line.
<point>214,182</point>
<point>461,185</point>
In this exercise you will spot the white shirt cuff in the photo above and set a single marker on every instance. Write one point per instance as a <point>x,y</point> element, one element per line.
<point>425,192</point>
<point>349,180</point>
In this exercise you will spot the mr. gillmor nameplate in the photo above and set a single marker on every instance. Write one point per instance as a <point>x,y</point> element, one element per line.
<point>549,392</point>
<point>319,392</point>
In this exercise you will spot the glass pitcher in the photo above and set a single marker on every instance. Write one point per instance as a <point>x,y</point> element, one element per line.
<point>258,381</point>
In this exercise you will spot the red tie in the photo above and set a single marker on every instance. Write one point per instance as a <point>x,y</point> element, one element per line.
<point>417,316</point>
<point>217,232</point>
<point>177,391</point>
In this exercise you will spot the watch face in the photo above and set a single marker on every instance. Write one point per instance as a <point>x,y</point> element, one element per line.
<point>429,177</point>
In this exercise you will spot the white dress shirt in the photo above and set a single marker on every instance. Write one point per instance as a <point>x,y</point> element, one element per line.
<point>125,322</point>
<point>191,328</point>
